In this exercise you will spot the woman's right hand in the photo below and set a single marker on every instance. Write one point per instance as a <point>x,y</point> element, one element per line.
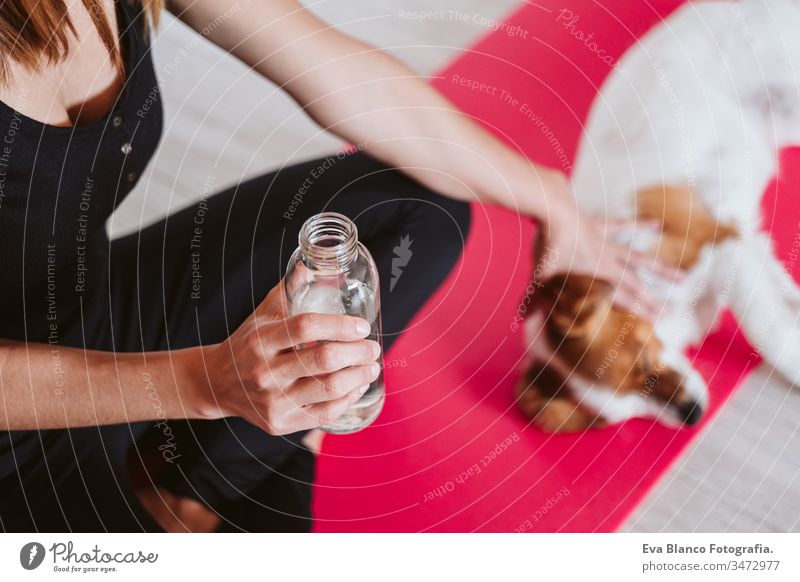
<point>259,375</point>
<point>577,242</point>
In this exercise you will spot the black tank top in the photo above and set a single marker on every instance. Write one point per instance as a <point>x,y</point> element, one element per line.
<point>58,187</point>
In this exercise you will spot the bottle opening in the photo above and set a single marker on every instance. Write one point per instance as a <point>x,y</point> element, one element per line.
<point>328,241</point>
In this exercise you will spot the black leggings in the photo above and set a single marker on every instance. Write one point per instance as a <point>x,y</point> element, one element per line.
<point>192,279</point>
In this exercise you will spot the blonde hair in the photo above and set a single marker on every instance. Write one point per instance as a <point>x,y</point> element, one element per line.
<point>36,32</point>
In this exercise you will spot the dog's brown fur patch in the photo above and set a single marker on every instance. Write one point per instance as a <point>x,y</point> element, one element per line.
<point>686,224</point>
<point>600,341</point>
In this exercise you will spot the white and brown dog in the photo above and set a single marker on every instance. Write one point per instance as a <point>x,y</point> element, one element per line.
<point>685,132</point>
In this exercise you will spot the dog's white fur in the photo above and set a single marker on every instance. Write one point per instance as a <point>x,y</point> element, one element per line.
<point>705,100</point>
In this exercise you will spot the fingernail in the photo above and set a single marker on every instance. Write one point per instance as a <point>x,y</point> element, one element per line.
<point>374,370</point>
<point>363,389</point>
<point>376,349</point>
<point>362,326</point>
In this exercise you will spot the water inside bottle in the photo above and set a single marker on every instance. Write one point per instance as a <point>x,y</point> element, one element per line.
<point>358,300</point>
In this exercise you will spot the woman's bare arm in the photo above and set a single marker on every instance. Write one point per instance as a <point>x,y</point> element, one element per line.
<point>49,386</point>
<point>254,374</point>
<point>367,97</point>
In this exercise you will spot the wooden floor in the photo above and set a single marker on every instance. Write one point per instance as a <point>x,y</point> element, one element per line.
<point>223,122</point>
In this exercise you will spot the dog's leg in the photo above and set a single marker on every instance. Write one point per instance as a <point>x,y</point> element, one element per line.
<point>761,295</point>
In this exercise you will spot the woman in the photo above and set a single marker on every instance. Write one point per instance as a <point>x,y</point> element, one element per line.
<point>116,358</point>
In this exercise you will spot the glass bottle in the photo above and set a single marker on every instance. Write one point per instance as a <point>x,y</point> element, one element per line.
<point>331,272</point>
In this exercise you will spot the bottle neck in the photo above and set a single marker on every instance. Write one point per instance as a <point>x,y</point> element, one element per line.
<point>328,242</point>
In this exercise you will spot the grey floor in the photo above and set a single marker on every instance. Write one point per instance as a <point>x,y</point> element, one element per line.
<point>742,474</point>
<point>223,123</point>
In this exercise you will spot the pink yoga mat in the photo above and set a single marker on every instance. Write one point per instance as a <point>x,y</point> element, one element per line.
<point>450,452</point>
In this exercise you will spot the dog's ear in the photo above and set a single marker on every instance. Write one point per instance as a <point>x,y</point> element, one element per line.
<point>542,396</point>
<point>542,378</point>
<point>539,385</point>
<point>569,301</point>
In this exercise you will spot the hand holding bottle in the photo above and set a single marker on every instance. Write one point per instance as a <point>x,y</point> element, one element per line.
<point>332,272</point>
<point>274,372</point>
